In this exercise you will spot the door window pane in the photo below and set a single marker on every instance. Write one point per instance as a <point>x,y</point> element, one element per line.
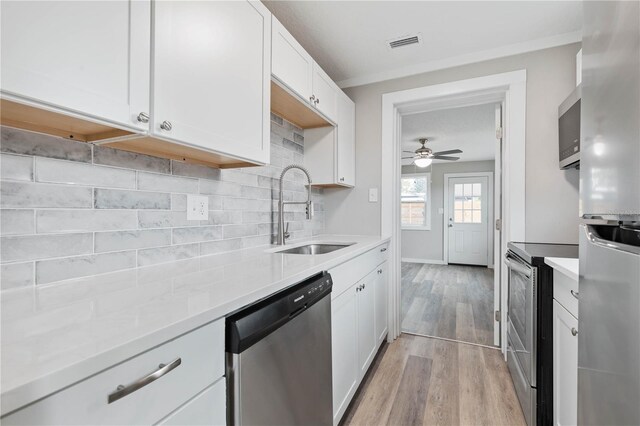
<point>467,203</point>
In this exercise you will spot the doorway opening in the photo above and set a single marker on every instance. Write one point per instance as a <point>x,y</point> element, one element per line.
<point>447,216</point>
<point>504,183</point>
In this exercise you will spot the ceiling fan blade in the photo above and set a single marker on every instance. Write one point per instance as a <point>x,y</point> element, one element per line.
<point>409,152</point>
<point>408,158</point>
<point>451,151</point>
<point>444,157</point>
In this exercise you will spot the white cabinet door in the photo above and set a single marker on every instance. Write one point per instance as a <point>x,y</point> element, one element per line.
<point>346,152</point>
<point>290,63</point>
<point>207,408</point>
<point>325,92</point>
<point>344,348</point>
<point>366,322</point>
<point>381,302</point>
<point>565,366</point>
<point>85,57</point>
<point>211,84</point>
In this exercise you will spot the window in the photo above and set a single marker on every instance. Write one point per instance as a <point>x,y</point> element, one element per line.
<point>467,207</point>
<point>415,199</point>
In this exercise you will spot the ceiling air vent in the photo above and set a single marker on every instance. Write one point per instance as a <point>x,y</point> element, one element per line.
<point>404,41</point>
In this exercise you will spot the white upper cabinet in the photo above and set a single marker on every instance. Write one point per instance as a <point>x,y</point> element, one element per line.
<point>325,93</point>
<point>346,150</point>
<point>291,64</point>
<point>211,76</point>
<point>79,57</point>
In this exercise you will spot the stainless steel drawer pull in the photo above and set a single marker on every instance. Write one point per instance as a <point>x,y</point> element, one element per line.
<point>122,391</point>
<point>383,249</point>
<point>574,331</point>
<point>379,271</point>
<point>575,294</point>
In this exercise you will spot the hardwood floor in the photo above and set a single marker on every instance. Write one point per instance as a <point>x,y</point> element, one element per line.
<point>450,301</point>
<point>424,381</point>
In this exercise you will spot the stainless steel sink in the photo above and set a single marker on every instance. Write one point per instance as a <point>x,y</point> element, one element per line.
<point>318,248</point>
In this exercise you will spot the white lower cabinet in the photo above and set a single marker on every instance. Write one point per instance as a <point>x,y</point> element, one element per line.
<point>344,334</point>
<point>195,361</point>
<point>565,366</point>
<point>366,322</point>
<point>358,322</point>
<point>207,408</point>
<point>381,302</point>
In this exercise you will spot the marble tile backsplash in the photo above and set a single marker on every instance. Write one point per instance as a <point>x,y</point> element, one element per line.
<point>69,209</point>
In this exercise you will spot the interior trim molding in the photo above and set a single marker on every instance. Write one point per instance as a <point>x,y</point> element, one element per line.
<point>470,58</point>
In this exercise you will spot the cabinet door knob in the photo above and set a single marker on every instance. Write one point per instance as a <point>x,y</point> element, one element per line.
<point>575,294</point>
<point>317,101</point>
<point>313,99</point>
<point>383,249</point>
<point>143,117</point>
<point>379,271</point>
<point>574,331</point>
<point>341,179</point>
<point>166,125</point>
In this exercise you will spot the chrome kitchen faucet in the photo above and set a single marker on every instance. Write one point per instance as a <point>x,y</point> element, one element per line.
<point>282,234</point>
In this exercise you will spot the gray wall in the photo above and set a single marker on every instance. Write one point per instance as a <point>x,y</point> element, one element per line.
<point>70,209</point>
<point>551,194</point>
<point>429,245</point>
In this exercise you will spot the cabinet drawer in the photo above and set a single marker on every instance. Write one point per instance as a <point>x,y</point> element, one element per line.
<point>207,408</point>
<point>201,354</point>
<point>346,275</point>
<point>564,289</point>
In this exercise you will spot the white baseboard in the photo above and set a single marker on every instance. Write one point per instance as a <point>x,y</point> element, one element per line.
<point>429,261</point>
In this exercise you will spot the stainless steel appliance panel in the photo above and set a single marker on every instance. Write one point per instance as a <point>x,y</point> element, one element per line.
<point>610,128</point>
<point>569,130</point>
<point>608,331</point>
<point>285,378</point>
<point>522,313</point>
<point>526,394</point>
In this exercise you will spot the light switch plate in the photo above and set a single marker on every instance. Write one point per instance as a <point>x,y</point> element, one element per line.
<point>197,207</point>
<point>373,195</point>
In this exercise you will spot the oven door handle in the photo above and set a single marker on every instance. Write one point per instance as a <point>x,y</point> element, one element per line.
<point>517,266</point>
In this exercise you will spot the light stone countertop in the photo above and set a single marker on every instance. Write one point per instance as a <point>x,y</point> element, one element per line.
<point>567,266</point>
<point>55,335</point>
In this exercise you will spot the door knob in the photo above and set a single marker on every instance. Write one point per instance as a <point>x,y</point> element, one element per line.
<point>166,125</point>
<point>143,117</point>
<point>574,331</point>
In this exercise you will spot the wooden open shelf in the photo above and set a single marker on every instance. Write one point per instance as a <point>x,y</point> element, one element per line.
<point>26,117</point>
<point>293,109</point>
<point>161,148</point>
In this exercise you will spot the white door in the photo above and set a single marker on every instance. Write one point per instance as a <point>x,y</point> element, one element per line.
<point>290,63</point>
<point>468,220</point>
<point>344,350</point>
<point>381,302</point>
<point>366,321</point>
<point>565,366</point>
<point>325,92</point>
<point>346,152</point>
<point>212,76</point>
<point>85,57</point>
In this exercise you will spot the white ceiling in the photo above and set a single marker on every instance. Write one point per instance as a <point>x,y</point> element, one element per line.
<point>348,38</point>
<point>470,128</point>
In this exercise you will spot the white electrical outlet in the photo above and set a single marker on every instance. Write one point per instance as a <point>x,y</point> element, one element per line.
<point>373,195</point>
<point>197,207</point>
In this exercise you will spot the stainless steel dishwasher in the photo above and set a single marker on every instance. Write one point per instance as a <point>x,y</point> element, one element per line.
<point>279,358</point>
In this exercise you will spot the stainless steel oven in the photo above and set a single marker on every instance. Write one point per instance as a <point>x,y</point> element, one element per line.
<point>522,332</point>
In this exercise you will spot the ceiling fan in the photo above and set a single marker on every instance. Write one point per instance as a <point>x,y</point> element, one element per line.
<point>423,156</point>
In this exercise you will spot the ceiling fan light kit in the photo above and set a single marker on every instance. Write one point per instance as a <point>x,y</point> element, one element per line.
<point>424,156</point>
<point>422,162</point>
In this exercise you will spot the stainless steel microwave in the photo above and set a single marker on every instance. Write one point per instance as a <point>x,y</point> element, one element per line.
<point>569,130</point>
